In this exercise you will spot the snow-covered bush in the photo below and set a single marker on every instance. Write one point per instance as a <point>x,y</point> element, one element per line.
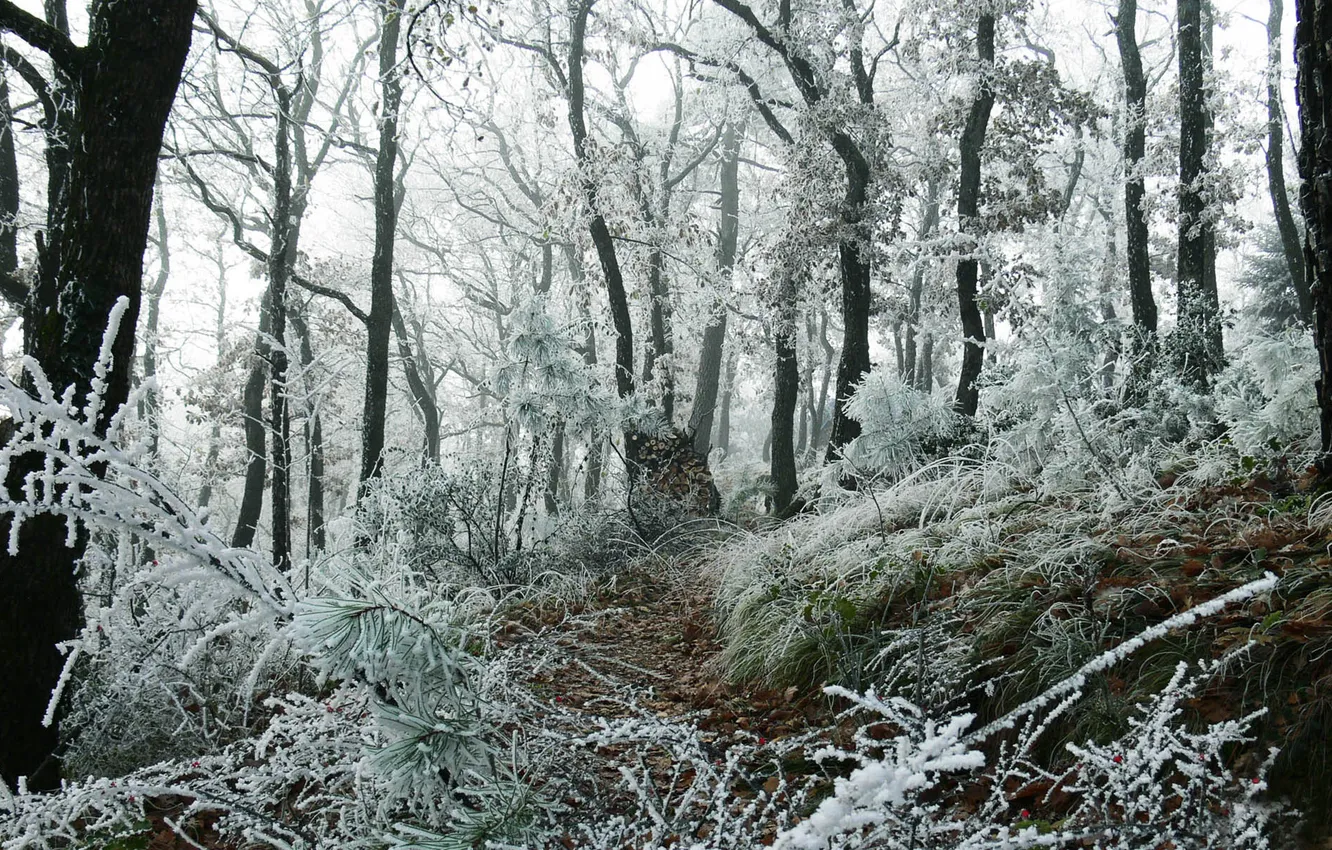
<point>899,424</point>
<point>1265,397</point>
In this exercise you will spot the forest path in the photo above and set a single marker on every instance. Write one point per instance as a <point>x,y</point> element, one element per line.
<point>651,644</point>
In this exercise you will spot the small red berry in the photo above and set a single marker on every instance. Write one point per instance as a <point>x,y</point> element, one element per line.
<point>195,764</point>
<point>1257,781</point>
<point>762,741</point>
<point>1024,814</point>
<point>1118,759</point>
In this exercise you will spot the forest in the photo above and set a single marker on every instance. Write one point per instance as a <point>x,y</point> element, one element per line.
<point>631,424</point>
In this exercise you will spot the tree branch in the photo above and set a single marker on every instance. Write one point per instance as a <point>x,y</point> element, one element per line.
<point>42,36</point>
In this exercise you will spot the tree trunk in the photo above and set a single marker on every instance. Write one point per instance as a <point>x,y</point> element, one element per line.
<point>379,326</point>
<point>1197,349</point>
<point>151,401</point>
<point>555,471</point>
<point>256,434</point>
<point>597,227</point>
<point>967,398</point>
<point>786,389</point>
<point>421,395</point>
<point>724,418</point>
<point>929,223</point>
<point>1276,173</point>
<point>126,79</point>
<point>315,535</point>
<point>854,257</point>
<point>279,271</point>
<point>9,201</point>
<point>714,335</point>
<point>1143,303</point>
<point>1313,61</point>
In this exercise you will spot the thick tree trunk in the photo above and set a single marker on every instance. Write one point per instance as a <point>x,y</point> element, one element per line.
<point>1141,300</point>
<point>126,79</point>
<point>854,257</point>
<point>279,272</point>
<point>1276,172</point>
<point>256,433</point>
<point>714,335</point>
<point>1197,349</point>
<point>967,398</point>
<point>1313,60</point>
<point>379,326</point>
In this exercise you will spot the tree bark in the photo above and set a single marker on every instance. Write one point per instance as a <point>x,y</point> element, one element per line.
<point>1198,349</point>
<point>967,398</point>
<point>125,80</point>
<point>1313,61</point>
<point>279,272</point>
<point>379,326</point>
<point>1276,172</point>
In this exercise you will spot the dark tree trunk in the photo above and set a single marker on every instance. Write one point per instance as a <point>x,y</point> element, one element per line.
<point>125,79</point>
<point>1141,300</point>
<point>1197,348</point>
<point>786,390</point>
<point>1313,61</point>
<point>316,537</point>
<point>714,335</point>
<point>279,271</point>
<point>854,257</point>
<point>421,395</point>
<point>256,433</point>
<point>967,398</point>
<point>380,323</point>
<point>10,287</point>
<point>926,380</point>
<point>600,232</point>
<point>1276,172</point>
